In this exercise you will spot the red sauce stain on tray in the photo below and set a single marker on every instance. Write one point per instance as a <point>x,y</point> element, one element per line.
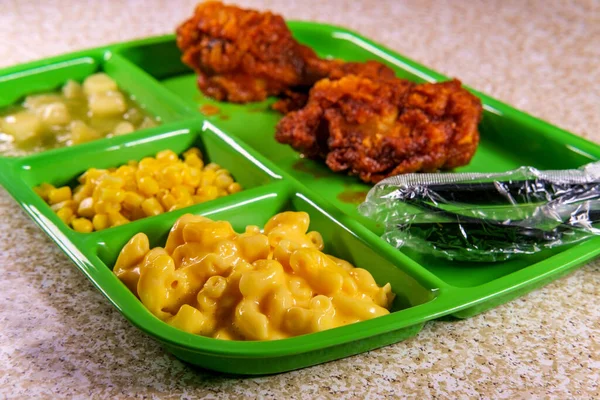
<point>352,196</point>
<point>309,167</point>
<point>224,117</point>
<point>209,109</point>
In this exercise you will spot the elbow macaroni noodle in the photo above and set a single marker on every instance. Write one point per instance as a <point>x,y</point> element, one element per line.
<point>210,280</point>
<point>115,196</point>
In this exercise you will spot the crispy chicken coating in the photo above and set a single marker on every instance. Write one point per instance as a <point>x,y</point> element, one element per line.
<point>293,100</point>
<point>245,55</point>
<point>375,126</point>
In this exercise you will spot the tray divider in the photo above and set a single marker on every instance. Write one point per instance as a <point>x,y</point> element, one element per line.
<point>118,65</point>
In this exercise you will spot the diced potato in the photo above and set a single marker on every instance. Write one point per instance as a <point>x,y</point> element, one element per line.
<point>23,126</point>
<point>55,114</point>
<point>81,133</point>
<point>72,90</point>
<point>107,103</point>
<point>124,128</point>
<point>147,123</point>
<point>34,102</point>
<point>99,83</point>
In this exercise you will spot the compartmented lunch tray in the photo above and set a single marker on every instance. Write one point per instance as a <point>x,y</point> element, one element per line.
<point>275,178</point>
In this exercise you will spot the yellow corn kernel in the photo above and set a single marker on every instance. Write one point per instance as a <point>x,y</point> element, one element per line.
<point>58,195</point>
<point>167,200</point>
<point>192,150</point>
<point>83,191</point>
<point>100,221</point>
<point>83,225</point>
<point>167,156</point>
<point>66,215</point>
<point>125,170</point>
<point>112,195</point>
<point>234,188</point>
<point>148,165</point>
<point>222,192</point>
<point>131,200</point>
<point>182,203</point>
<point>169,177</point>
<point>105,207</point>
<point>212,167</point>
<point>116,218</point>
<point>207,193</point>
<point>91,175</point>
<point>86,208</point>
<point>130,184</point>
<point>182,191</point>
<point>161,192</point>
<point>72,204</point>
<point>193,160</point>
<point>190,189</point>
<point>191,176</point>
<point>223,181</point>
<point>148,186</point>
<point>152,207</point>
<point>207,178</point>
<point>112,181</point>
<point>184,198</point>
<point>132,163</point>
<point>43,190</point>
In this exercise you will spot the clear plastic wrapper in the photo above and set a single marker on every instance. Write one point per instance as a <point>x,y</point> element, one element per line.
<point>487,217</point>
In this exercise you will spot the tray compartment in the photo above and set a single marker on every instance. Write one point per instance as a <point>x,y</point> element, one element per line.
<point>63,166</point>
<point>46,77</point>
<point>51,75</point>
<point>256,207</point>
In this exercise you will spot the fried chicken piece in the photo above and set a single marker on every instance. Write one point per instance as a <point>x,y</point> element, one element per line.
<point>293,100</point>
<point>368,69</point>
<point>245,55</point>
<point>377,127</point>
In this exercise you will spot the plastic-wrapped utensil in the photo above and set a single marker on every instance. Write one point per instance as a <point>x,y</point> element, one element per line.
<point>487,217</point>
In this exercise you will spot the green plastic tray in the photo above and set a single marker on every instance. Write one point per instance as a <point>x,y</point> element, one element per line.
<point>240,137</point>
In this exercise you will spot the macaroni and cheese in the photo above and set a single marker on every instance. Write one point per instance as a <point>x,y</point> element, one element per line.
<point>257,285</point>
<point>115,196</point>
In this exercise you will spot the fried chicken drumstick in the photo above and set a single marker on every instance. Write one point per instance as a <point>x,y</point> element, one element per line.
<point>245,55</point>
<point>376,125</point>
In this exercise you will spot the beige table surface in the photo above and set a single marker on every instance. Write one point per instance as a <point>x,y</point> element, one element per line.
<point>59,337</point>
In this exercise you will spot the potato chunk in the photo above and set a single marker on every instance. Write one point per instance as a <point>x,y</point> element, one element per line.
<point>81,133</point>
<point>107,103</point>
<point>55,114</point>
<point>23,126</point>
<point>72,90</point>
<point>98,83</point>
<point>124,128</point>
<point>37,101</point>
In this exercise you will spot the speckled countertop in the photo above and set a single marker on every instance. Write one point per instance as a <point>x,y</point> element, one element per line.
<point>60,338</point>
